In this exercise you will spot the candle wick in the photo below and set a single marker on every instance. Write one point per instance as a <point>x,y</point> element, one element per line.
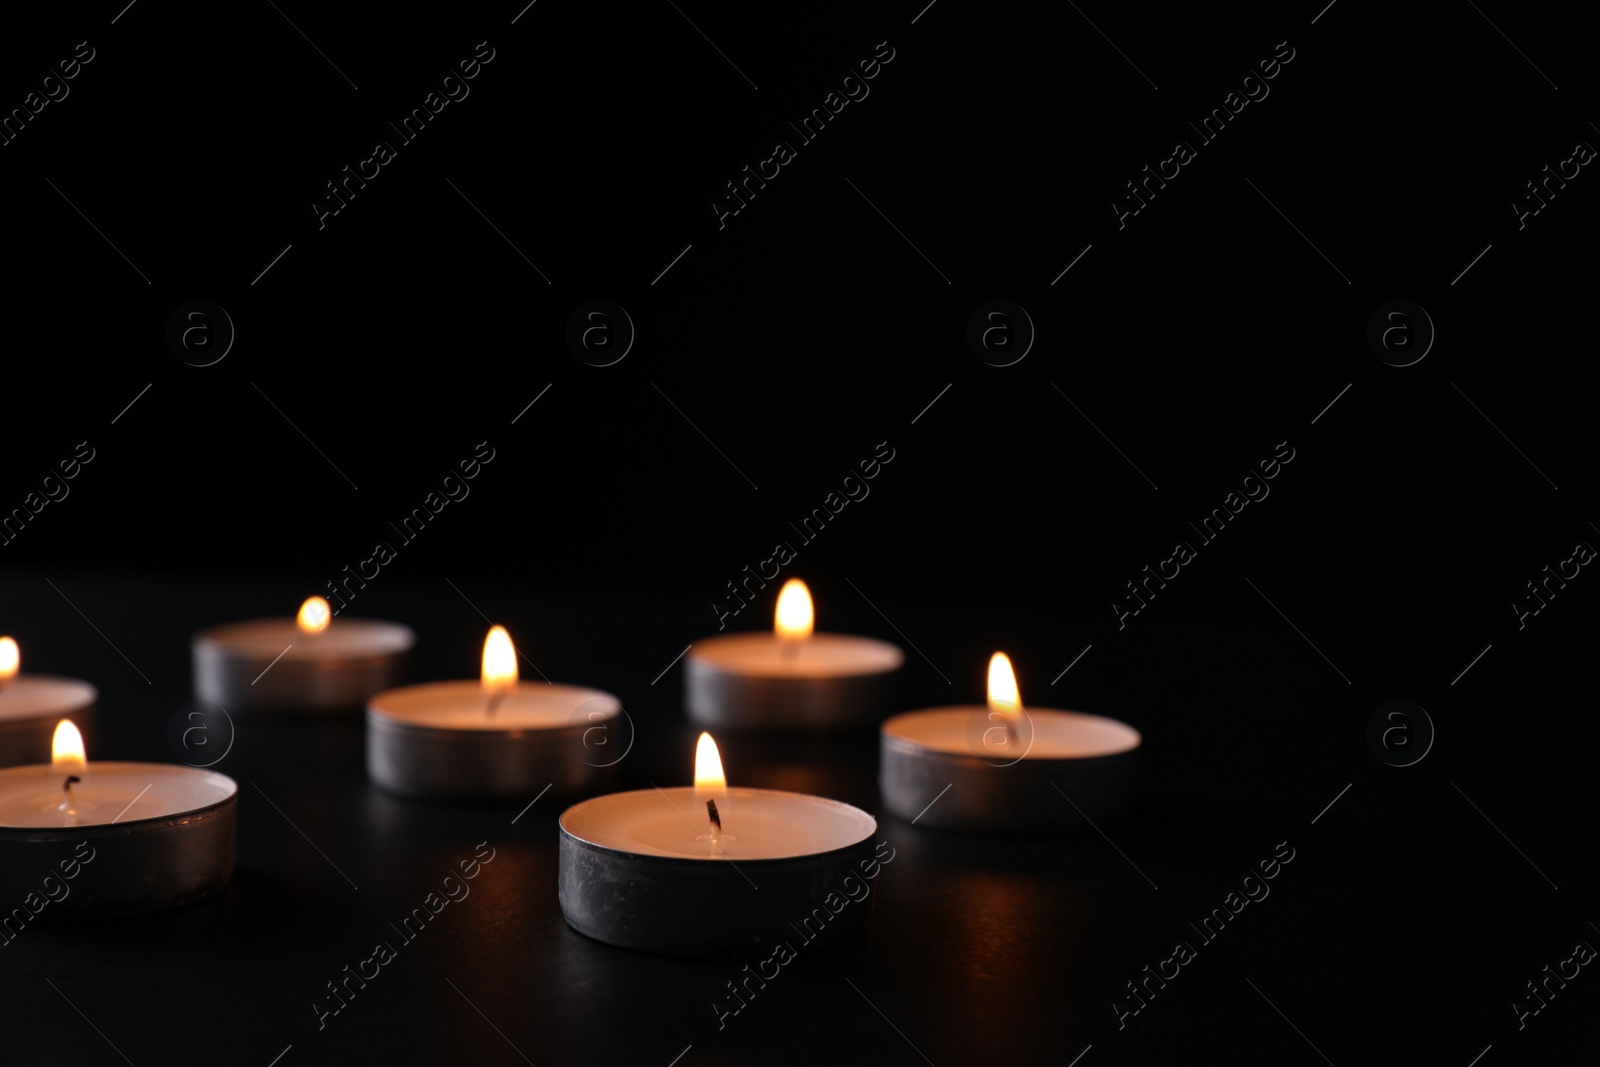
<point>716,821</point>
<point>66,804</point>
<point>790,649</point>
<point>494,702</point>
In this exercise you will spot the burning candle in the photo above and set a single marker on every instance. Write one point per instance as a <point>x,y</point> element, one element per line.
<point>710,870</point>
<point>791,678</point>
<point>312,663</point>
<point>32,704</point>
<point>143,836</point>
<point>496,737</point>
<point>1005,768</point>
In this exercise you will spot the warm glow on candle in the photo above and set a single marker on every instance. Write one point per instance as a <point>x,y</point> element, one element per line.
<point>499,661</point>
<point>314,616</point>
<point>1003,695</point>
<point>66,750</point>
<point>794,615</point>
<point>10,660</point>
<point>709,782</point>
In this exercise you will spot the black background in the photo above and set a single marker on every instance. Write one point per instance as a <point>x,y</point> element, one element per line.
<point>796,338</point>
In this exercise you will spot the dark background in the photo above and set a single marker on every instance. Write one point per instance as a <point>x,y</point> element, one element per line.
<point>796,339</point>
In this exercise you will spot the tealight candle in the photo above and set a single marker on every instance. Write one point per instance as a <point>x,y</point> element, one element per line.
<point>494,738</point>
<point>32,704</point>
<point>1003,768</point>
<point>129,837</point>
<point>714,871</point>
<point>312,662</point>
<point>792,678</point>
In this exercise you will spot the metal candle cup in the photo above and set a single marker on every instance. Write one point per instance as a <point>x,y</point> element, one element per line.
<point>30,707</point>
<point>271,665</point>
<point>936,770</point>
<point>761,681</point>
<point>791,679</point>
<point>440,740</point>
<point>639,870</point>
<point>147,837</point>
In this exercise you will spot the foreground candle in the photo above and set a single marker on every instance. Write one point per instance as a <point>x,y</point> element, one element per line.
<point>1003,768</point>
<point>312,662</point>
<point>713,871</point>
<point>128,837</point>
<point>792,678</point>
<point>32,704</point>
<point>494,738</point>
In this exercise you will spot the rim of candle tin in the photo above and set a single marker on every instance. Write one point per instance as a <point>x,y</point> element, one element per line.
<point>376,716</point>
<point>148,822</point>
<point>399,637</point>
<point>118,829</point>
<point>320,663</point>
<point>87,696</point>
<point>702,662</point>
<point>911,745</point>
<point>803,857</point>
<point>379,714</point>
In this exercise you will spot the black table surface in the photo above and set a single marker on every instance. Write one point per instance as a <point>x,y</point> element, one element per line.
<point>1411,914</point>
<point>339,368</point>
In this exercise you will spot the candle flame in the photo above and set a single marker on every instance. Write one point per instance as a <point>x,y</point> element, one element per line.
<point>66,750</point>
<point>499,661</point>
<point>1003,695</point>
<point>794,615</point>
<point>10,659</point>
<point>314,616</point>
<point>709,781</point>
